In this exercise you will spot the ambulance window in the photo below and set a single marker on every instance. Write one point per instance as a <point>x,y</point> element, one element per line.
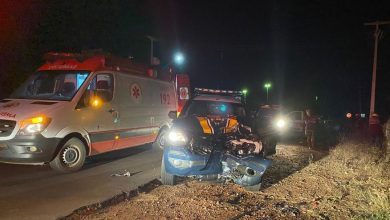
<point>102,86</point>
<point>51,85</point>
<point>80,78</point>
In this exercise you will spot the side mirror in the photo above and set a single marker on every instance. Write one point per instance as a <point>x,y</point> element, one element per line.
<point>172,114</point>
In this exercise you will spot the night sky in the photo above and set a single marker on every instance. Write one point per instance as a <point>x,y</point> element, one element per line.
<point>305,48</point>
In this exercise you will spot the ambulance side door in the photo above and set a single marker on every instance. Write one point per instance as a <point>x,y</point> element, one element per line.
<point>134,125</point>
<point>99,114</point>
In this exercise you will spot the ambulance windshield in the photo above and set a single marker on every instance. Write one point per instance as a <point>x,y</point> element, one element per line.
<point>51,85</point>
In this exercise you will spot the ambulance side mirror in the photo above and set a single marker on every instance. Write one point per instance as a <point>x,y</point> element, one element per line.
<point>172,114</point>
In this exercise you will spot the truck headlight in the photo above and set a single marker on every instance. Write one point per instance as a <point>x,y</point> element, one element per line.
<point>34,125</point>
<point>281,123</point>
<point>177,138</point>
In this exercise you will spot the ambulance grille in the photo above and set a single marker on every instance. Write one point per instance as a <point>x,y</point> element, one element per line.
<point>6,127</point>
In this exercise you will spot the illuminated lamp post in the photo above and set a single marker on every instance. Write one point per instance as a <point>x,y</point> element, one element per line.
<point>244,92</point>
<point>267,86</point>
<point>178,58</point>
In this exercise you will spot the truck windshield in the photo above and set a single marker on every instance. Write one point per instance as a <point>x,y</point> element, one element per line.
<point>51,85</point>
<point>204,108</point>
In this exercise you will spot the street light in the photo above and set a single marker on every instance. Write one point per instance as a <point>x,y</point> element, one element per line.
<point>267,86</point>
<point>179,58</point>
<point>244,91</point>
<point>152,40</point>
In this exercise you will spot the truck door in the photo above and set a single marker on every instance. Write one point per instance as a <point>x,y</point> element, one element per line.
<point>100,115</point>
<point>298,122</point>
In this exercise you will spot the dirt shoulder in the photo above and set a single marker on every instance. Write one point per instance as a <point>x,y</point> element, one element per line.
<point>349,182</point>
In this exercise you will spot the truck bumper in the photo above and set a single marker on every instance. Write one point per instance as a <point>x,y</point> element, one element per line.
<point>34,149</point>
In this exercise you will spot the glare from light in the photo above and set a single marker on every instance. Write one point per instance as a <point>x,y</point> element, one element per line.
<point>34,128</point>
<point>176,137</point>
<point>96,102</point>
<point>245,91</point>
<point>267,85</point>
<point>179,58</point>
<point>34,125</point>
<point>37,120</point>
<point>281,123</point>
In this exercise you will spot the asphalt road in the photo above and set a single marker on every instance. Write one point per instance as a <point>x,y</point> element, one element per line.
<point>36,192</point>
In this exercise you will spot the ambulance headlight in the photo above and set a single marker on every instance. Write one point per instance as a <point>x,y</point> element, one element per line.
<point>177,138</point>
<point>34,125</point>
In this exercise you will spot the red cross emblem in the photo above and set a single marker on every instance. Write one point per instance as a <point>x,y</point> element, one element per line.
<point>136,92</point>
<point>184,93</point>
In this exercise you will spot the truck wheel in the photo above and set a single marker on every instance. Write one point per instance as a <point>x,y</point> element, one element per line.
<point>160,140</point>
<point>269,147</point>
<point>166,178</point>
<point>70,158</point>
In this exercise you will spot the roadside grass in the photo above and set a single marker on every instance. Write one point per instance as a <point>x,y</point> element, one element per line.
<point>351,182</point>
<point>364,176</point>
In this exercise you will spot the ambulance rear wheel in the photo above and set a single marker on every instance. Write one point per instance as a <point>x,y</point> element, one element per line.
<point>166,178</point>
<point>70,158</point>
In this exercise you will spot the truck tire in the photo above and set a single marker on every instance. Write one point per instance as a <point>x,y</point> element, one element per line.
<point>70,158</point>
<point>269,147</point>
<point>160,140</point>
<point>166,178</point>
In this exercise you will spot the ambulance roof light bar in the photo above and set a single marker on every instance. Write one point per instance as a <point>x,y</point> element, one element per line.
<point>85,54</point>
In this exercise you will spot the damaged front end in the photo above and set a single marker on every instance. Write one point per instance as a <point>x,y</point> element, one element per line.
<point>226,153</point>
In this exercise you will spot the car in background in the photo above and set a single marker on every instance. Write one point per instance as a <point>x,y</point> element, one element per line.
<point>269,123</point>
<point>327,130</point>
<point>296,123</point>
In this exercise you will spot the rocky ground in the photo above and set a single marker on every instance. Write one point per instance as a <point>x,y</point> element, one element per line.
<point>349,181</point>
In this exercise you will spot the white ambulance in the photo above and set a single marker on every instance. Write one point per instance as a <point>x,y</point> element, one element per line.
<point>78,105</point>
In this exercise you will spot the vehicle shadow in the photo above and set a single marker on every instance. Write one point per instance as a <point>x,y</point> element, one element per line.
<point>108,157</point>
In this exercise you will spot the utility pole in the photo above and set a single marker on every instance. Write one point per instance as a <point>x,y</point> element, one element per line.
<point>152,39</point>
<point>374,64</point>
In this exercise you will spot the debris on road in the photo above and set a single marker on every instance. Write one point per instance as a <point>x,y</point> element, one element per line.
<point>125,173</point>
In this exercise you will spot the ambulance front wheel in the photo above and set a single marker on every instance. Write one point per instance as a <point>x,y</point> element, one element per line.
<point>71,156</point>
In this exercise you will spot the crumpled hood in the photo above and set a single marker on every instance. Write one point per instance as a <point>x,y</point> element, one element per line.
<point>19,109</point>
